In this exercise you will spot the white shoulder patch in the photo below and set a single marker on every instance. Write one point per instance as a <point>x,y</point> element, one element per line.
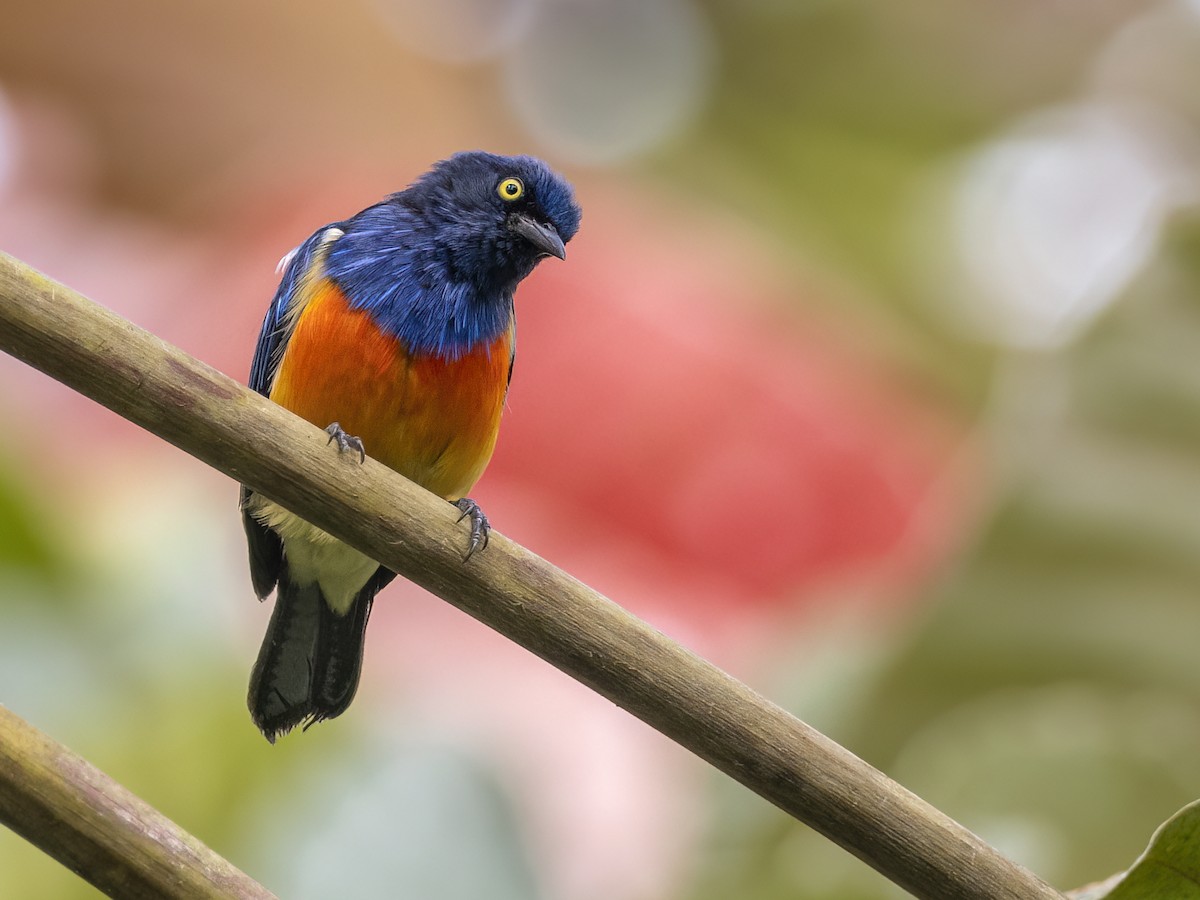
<point>330,235</point>
<point>286,260</point>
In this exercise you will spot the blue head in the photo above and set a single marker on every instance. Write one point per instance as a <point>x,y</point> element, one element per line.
<point>439,261</point>
<point>496,213</point>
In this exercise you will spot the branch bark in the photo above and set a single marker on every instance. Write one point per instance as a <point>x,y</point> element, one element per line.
<point>506,587</point>
<point>95,827</point>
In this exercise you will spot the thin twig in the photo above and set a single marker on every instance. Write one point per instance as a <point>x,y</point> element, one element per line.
<point>508,588</point>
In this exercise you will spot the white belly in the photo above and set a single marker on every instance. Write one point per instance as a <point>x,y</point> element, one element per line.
<point>316,556</point>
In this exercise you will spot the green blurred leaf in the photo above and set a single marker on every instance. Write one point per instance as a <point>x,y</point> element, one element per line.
<point>1170,867</point>
<point>26,540</point>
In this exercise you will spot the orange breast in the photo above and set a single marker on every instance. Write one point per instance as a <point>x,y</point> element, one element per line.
<point>433,420</point>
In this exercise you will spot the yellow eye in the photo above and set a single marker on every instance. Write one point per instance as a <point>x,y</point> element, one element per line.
<point>511,189</point>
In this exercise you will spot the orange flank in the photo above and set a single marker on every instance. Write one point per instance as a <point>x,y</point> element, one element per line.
<point>432,420</point>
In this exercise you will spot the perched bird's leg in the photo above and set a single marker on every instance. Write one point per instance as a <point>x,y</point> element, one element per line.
<point>480,527</point>
<point>345,441</point>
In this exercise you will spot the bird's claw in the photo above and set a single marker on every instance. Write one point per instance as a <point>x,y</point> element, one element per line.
<point>480,527</point>
<point>345,441</point>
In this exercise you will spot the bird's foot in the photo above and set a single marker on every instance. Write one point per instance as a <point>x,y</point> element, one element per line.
<point>480,527</point>
<point>345,441</point>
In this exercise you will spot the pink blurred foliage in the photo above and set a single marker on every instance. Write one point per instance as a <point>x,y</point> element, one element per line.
<point>174,283</point>
<point>671,390</point>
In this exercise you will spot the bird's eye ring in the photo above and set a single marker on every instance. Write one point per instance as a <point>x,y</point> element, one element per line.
<point>511,189</point>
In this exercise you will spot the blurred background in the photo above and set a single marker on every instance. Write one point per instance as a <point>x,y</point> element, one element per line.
<point>873,375</point>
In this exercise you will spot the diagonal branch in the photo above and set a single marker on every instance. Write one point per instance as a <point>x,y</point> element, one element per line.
<point>96,828</point>
<point>508,588</point>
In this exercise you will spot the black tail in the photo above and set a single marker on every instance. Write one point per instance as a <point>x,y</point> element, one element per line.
<point>308,667</point>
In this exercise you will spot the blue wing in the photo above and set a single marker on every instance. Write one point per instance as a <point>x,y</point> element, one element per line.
<point>266,550</point>
<point>272,338</point>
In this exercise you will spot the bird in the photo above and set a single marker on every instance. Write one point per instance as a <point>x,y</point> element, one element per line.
<point>395,331</point>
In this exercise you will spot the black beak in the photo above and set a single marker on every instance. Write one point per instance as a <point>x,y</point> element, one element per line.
<point>542,235</point>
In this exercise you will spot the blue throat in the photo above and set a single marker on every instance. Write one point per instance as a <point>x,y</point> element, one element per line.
<point>438,290</point>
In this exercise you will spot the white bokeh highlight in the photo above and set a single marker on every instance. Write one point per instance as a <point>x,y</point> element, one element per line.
<point>600,81</point>
<point>1052,220</point>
